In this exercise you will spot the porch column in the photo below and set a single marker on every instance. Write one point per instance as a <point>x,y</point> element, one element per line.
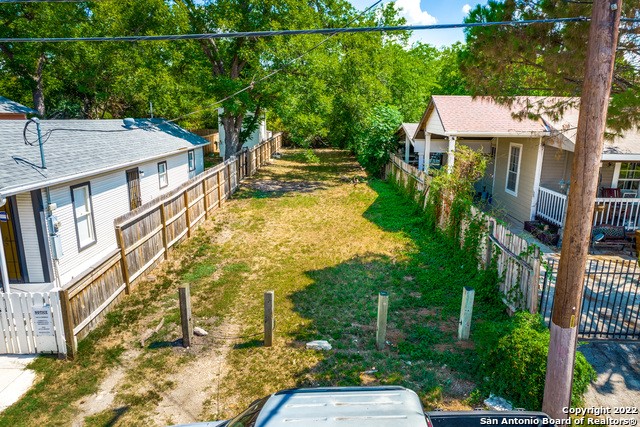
<point>3,260</point>
<point>427,151</point>
<point>451,153</point>
<point>407,148</point>
<point>536,180</point>
<point>420,161</point>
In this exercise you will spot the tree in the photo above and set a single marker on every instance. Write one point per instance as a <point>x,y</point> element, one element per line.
<point>25,65</point>
<point>376,139</point>
<point>548,59</point>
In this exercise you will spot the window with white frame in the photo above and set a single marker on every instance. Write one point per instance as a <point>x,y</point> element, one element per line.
<point>192,160</point>
<point>513,169</point>
<point>629,178</point>
<point>83,215</point>
<point>163,176</point>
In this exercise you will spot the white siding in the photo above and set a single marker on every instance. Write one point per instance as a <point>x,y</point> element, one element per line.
<point>29,236</point>
<point>110,199</point>
<point>556,166</point>
<point>434,124</point>
<point>518,207</point>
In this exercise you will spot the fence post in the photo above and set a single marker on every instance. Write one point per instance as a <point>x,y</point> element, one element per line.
<point>466,311</point>
<point>219,189</point>
<point>383,308</point>
<point>184,294</point>
<point>186,212</point>
<point>67,322</point>
<point>228,180</point>
<point>163,218</point>
<point>268,318</point>
<point>205,198</point>
<point>488,252</point>
<point>123,260</point>
<point>535,279</point>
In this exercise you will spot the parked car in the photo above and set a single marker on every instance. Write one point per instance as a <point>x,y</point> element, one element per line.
<point>388,406</point>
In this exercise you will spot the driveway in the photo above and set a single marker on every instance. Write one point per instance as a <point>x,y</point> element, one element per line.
<point>618,368</point>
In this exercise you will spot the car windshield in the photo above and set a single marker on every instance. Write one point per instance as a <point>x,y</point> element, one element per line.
<point>249,416</point>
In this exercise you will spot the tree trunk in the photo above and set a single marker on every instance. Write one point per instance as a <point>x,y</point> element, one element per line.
<point>232,125</point>
<point>603,38</point>
<point>38,90</point>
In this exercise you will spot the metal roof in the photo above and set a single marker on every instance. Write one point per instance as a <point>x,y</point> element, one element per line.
<point>344,407</point>
<point>12,107</point>
<point>80,148</point>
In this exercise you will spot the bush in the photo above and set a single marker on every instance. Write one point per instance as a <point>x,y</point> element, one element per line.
<point>513,366</point>
<point>376,138</point>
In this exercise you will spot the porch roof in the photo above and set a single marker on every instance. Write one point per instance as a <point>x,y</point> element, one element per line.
<point>75,149</point>
<point>12,107</point>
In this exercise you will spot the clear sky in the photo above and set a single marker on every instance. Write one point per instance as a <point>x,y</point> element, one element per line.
<point>425,12</point>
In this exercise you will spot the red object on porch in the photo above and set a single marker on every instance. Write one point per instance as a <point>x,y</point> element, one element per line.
<point>611,192</point>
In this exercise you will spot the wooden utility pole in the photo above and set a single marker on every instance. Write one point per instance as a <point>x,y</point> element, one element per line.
<point>603,40</point>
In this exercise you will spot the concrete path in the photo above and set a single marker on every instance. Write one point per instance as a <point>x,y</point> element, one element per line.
<point>618,368</point>
<point>15,380</point>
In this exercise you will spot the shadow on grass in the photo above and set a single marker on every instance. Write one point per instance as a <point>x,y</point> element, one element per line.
<point>425,292</point>
<point>164,344</point>
<point>107,418</point>
<point>249,344</point>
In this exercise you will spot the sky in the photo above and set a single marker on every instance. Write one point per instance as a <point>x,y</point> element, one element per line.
<point>426,12</point>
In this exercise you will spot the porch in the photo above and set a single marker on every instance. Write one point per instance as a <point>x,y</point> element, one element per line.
<point>618,209</point>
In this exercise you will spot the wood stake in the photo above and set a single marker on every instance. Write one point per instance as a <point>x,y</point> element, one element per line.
<point>268,318</point>
<point>383,309</point>
<point>466,312</point>
<point>184,294</point>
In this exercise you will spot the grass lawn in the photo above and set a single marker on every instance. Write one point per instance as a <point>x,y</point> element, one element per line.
<point>326,246</point>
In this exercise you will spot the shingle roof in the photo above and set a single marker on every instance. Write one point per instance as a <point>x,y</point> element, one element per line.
<point>408,129</point>
<point>12,107</point>
<point>484,116</point>
<point>82,147</point>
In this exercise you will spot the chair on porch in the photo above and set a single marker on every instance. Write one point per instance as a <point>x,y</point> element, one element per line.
<point>611,193</point>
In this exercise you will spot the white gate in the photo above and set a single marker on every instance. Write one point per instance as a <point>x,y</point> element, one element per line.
<point>31,322</point>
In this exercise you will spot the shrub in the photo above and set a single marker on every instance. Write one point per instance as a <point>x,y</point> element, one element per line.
<point>377,138</point>
<point>513,365</point>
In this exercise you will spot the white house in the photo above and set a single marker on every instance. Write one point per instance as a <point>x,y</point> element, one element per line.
<point>258,135</point>
<point>529,173</point>
<point>59,218</point>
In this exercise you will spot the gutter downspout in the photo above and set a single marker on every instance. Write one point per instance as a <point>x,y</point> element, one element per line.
<point>3,260</point>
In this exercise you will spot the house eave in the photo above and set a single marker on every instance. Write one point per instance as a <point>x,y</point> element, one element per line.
<point>497,134</point>
<point>622,157</point>
<point>10,191</point>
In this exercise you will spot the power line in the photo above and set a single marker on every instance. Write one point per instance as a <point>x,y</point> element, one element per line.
<point>270,33</point>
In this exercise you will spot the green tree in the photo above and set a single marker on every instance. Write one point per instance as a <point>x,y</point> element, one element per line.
<point>548,59</point>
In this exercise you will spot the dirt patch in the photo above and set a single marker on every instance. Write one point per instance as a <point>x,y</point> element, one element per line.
<point>281,187</point>
<point>104,398</point>
<point>197,383</point>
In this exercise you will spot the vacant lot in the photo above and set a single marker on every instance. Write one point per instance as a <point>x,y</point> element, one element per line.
<point>326,240</point>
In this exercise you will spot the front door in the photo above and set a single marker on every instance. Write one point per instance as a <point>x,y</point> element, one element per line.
<point>9,242</point>
<point>133,182</point>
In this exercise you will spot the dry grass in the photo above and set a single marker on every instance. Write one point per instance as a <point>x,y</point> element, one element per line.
<point>326,244</point>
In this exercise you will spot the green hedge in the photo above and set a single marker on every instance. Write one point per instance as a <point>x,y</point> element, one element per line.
<point>513,358</point>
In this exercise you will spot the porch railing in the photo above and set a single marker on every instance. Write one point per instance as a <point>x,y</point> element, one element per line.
<point>552,206</point>
<point>617,211</point>
<point>622,212</point>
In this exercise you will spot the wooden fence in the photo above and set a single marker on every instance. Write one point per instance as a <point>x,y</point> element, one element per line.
<point>518,262</point>
<point>31,322</point>
<point>146,234</point>
<point>212,136</point>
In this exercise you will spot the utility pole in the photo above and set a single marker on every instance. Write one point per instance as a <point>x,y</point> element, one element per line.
<point>603,40</point>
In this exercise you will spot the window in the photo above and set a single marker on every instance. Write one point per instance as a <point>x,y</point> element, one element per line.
<point>513,169</point>
<point>163,176</point>
<point>83,215</point>
<point>629,176</point>
<point>192,160</point>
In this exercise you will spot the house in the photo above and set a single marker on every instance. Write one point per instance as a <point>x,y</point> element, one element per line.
<point>406,143</point>
<point>530,160</point>
<point>11,110</point>
<point>256,137</point>
<point>59,219</point>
